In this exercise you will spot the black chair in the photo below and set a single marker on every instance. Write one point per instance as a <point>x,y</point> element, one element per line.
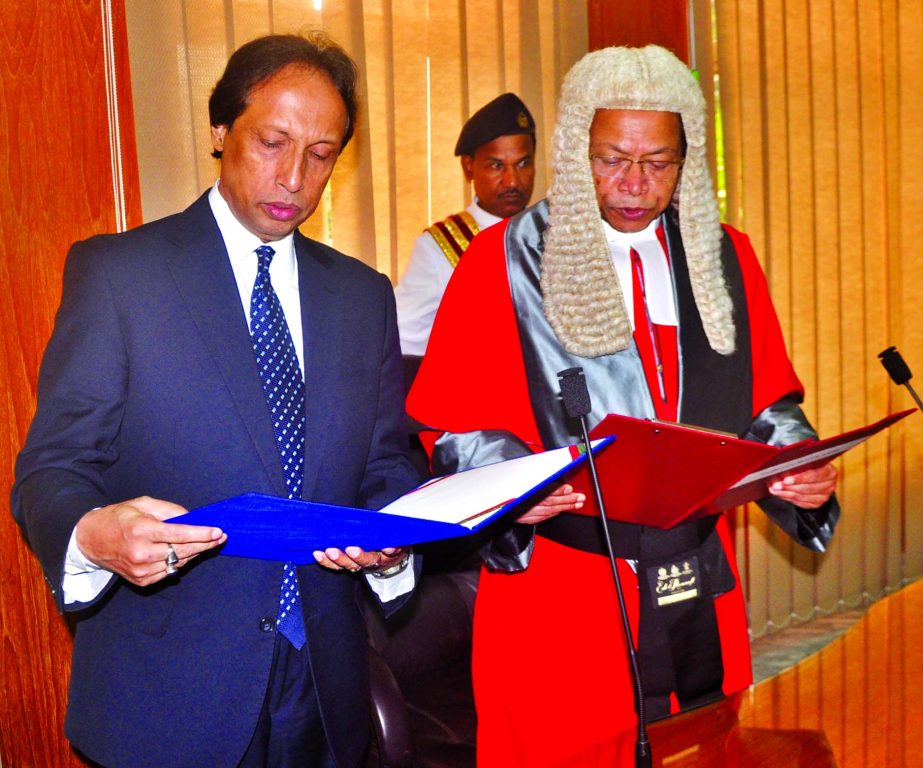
<point>422,701</point>
<point>392,745</point>
<point>420,660</point>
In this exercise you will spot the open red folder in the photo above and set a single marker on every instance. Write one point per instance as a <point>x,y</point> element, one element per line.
<point>662,474</point>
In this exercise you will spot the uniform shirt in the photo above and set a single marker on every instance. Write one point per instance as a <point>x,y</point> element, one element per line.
<point>421,287</point>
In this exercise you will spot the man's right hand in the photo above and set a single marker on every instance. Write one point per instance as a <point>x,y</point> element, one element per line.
<point>131,539</point>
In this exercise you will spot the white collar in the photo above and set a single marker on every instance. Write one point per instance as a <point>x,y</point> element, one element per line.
<point>658,283</point>
<point>241,243</point>
<point>484,218</point>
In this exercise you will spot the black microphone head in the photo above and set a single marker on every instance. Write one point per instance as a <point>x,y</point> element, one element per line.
<point>895,366</point>
<point>574,392</point>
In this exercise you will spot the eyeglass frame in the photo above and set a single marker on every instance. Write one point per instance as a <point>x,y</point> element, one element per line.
<point>643,164</point>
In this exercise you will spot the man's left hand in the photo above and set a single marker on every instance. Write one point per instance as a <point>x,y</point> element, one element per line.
<point>356,559</point>
<point>809,489</point>
<point>562,499</point>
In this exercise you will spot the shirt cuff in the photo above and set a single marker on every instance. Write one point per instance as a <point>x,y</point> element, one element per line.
<point>84,581</point>
<point>390,587</point>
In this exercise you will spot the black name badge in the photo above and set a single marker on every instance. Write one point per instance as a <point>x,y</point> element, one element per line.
<point>674,581</point>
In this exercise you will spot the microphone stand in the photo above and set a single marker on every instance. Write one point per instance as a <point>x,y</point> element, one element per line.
<point>576,399</point>
<point>899,371</point>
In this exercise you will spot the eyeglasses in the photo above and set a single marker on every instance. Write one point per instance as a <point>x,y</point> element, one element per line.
<point>616,167</point>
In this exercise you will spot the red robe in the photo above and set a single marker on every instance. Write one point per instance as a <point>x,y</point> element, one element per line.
<point>550,666</point>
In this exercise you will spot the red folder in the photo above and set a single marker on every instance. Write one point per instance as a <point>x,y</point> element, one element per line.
<point>662,474</point>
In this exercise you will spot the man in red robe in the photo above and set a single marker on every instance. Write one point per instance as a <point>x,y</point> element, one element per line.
<point>626,272</point>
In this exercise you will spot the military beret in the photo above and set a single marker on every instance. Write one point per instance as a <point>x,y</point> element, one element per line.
<point>504,116</point>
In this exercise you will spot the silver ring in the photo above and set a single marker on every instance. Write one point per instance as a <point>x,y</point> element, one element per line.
<point>171,560</point>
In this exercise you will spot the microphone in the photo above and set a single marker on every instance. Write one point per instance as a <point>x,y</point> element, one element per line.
<point>899,371</point>
<point>576,399</point>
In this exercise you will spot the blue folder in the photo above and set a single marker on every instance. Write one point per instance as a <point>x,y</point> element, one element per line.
<point>272,528</point>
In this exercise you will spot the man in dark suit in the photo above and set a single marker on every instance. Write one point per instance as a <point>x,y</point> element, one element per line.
<point>160,391</point>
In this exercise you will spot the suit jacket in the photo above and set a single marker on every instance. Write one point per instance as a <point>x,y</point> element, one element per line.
<point>149,386</point>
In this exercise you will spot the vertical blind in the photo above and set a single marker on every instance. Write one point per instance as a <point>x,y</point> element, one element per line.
<point>822,118</point>
<point>822,140</point>
<point>425,67</point>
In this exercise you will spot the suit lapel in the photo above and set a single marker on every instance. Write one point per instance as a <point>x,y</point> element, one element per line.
<point>205,281</point>
<point>322,309</point>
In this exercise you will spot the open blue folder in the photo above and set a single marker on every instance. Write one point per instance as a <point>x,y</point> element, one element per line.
<point>272,528</point>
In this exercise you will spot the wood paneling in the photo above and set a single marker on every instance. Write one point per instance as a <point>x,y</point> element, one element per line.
<point>638,23</point>
<point>55,187</point>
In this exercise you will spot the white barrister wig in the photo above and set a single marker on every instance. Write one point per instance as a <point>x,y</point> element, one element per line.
<point>582,299</point>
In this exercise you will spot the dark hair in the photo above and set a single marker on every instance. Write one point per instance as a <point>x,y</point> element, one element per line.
<point>255,62</point>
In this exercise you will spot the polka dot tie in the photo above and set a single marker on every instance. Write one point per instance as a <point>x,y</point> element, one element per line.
<point>283,386</point>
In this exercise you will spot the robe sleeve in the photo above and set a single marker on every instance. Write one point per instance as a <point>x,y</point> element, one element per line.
<point>784,423</point>
<point>777,391</point>
<point>773,374</point>
<point>472,382</point>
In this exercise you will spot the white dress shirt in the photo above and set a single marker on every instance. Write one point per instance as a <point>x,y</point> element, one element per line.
<point>84,580</point>
<point>421,286</point>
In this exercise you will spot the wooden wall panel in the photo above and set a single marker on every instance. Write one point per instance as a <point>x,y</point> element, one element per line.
<point>55,187</point>
<point>638,23</point>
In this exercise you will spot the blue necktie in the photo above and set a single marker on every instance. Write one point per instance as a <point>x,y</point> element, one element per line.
<point>283,386</point>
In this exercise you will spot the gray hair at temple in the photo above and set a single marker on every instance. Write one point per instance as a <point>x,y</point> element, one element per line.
<point>582,298</point>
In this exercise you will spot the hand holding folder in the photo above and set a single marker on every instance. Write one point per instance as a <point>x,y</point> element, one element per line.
<point>272,528</point>
<point>661,474</point>
<point>652,473</point>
